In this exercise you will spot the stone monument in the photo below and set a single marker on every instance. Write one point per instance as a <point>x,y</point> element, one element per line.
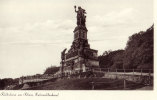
<point>80,57</point>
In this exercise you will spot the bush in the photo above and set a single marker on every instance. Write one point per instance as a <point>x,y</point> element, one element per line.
<point>51,70</point>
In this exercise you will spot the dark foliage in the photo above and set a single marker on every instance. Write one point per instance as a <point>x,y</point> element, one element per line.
<point>51,70</point>
<point>139,50</point>
<point>6,82</point>
<point>137,54</point>
<point>111,59</point>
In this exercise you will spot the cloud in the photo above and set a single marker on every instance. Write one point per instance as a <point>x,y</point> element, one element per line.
<point>114,18</point>
<point>48,32</point>
<point>119,24</point>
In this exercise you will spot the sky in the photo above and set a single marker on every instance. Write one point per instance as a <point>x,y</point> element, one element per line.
<point>34,32</point>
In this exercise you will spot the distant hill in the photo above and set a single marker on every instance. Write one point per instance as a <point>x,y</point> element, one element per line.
<point>137,54</point>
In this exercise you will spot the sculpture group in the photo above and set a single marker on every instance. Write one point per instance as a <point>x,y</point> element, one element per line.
<point>81,18</point>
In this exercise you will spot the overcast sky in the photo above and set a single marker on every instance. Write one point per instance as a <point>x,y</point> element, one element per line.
<point>34,32</point>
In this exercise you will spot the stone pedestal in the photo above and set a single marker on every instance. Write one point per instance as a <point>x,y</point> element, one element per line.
<point>80,57</point>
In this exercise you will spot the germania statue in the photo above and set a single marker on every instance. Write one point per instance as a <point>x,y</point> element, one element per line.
<point>81,18</point>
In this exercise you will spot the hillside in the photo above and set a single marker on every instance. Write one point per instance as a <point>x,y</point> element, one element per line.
<point>138,53</point>
<point>139,50</point>
<point>85,84</point>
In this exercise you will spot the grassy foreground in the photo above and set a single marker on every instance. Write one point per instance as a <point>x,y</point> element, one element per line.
<point>85,84</point>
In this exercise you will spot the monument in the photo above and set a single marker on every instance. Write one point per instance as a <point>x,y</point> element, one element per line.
<point>80,57</point>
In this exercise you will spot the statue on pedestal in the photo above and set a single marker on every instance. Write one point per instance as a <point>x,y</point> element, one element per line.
<point>81,18</point>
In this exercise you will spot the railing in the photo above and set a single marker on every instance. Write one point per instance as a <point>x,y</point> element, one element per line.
<point>143,72</point>
<point>123,70</point>
<point>140,76</point>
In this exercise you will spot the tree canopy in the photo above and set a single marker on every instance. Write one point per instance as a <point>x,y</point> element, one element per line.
<point>138,53</point>
<point>139,50</point>
<point>51,70</point>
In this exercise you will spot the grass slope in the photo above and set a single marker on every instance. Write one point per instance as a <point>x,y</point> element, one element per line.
<point>85,84</point>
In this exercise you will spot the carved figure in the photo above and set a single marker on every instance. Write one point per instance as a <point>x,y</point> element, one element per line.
<point>63,54</point>
<point>81,18</point>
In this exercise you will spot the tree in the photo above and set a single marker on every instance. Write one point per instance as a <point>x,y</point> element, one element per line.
<point>51,70</point>
<point>6,82</point>
<point>111,59</point>
<point>138,53</point>
<point>139,50</point>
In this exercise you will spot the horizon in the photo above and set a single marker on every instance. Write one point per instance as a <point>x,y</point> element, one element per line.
<point>33,33</point>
